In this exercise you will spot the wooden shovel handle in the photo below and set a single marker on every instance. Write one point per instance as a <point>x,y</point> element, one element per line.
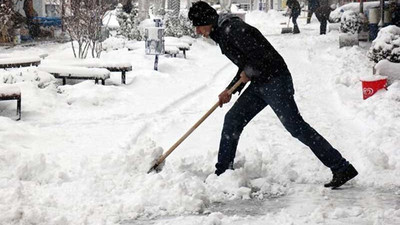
<point>204,117</point>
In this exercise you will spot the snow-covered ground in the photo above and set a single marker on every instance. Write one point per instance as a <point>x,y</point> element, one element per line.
<point>81,152</point>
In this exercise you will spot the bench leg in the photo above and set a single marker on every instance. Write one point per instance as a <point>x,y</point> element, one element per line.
<point>96,81</point>
<point>123,77</point>
<point>184,53</point>
<point>19,108</point>
<point>103,81</point>
<point>156,63</point>
<point>64,81</point>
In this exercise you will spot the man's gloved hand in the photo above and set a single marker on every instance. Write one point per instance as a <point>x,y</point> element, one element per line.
<point>244,78</point>
<point>224,97</point>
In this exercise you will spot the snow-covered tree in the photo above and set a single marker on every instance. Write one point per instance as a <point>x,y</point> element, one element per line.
<point>174,8</point>
<point>143,12</point>
<point>386,45</point>
<point>350,22</point>
<point>83,24</point>
<point>128,23</point>
<point>159,7</point>
<point>178,26</point>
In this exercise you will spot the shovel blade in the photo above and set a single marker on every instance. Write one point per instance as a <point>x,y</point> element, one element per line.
<point>286,30</point>
<point>156,168</point>
<point>153,168</point>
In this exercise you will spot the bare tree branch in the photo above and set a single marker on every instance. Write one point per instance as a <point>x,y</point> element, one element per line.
<point>83,22</point>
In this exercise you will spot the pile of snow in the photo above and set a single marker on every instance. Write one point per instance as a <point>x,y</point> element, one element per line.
<point>386,45</point>
<point>114,43</point>
<point>388,69</point>
<point>31,76</point>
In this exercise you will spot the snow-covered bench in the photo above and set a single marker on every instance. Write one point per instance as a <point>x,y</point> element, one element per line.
<point>11,92</point>
<point>16,62</point>
<point>122,67</point>
<point>182,45</point>
<point>171,50</point>
<point>184,39</point>
<point>77,72</point>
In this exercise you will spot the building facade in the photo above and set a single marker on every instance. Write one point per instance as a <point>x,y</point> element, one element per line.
<point>44,8</point>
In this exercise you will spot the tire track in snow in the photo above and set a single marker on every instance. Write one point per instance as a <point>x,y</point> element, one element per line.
<point>193,93</point>
<point>154,116</point>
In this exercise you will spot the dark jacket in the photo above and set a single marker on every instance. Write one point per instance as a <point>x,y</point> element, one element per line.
<point>294,6</point>
<point>313,5</point>
<point>322,12</point>
<point>247,48</point>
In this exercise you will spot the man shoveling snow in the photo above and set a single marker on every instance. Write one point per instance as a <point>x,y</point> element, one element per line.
<point>271,84</point>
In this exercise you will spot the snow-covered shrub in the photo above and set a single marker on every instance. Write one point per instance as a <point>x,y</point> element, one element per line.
<point>350,22</point>
<point>31,75</point>
<point>84,28</point>
<point>178,27</point>
<point>114,43</point>
<point>128,23</point>
<point>386,45</point>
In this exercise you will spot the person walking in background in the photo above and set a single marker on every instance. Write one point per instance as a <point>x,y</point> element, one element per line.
<point>270,85</point>
<point>294,7</point>
<point>394,9</point>
<point>312,6</point>
<point>322,13</point>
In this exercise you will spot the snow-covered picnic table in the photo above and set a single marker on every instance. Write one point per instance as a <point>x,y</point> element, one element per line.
<point>112,66</point>
<point>182,44</point>
<point>77,72</point>
<point>11,92</point>
<point>13,62</point>
<point>171,50</point>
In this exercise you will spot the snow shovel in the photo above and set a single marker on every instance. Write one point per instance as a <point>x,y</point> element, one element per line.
<point>166,154</point>
<point>287,29</point>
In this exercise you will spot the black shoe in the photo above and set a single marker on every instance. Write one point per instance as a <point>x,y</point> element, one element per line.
<point>341,178</point>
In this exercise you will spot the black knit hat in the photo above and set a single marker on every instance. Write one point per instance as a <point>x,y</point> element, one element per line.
<point>201,14</point>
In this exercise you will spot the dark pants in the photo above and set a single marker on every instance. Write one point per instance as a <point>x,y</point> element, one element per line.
<point>322,28</point>
<point>323,19</point>
<point>295,26</point>
<point>278,94</point>
<point>309,15</point>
